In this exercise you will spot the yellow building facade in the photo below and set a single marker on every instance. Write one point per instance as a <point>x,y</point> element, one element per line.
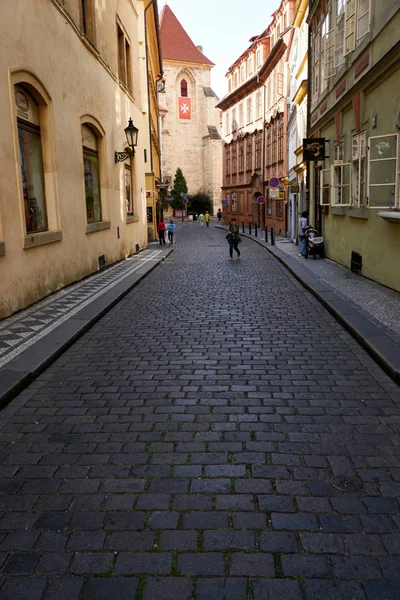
<point>70,80</point>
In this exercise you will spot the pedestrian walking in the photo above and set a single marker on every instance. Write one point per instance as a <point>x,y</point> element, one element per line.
<point>207,218</point>
<point>171,229</point>
<point>201,219</point>
<point>161,232</point>
<point>219,216</point>
<point>303,224</point>
<point>234,239</point>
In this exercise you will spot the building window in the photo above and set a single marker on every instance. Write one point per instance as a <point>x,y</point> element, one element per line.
<point>124,59</point>
<point>91,174</point>
<point>258,153</point>
<point>383,171</point>
<point>250,65</point>
<point>339,33</point>
<point>241,116</point>
<point>243,72</point>
<point>87,19</point>
<point>241,157</point>
<point>258,58</point>
<point>350,26</point>
<point>249,109</point>
<point>359,170</point>
<point>128,191</point>
<point>269,140</point>
<point>234,159</point>
<point>315,59</point>
<point>249,155</point>
<point>339,153</point>
<point>363,12</point>
<point>274,143</point>
<point>279,208</point>
<point>280,84</point>
<point>31,159</point>
<point>327,50</point>
<point>229,85</point>
<point>280,142</point>
<point>227,130</point>
<point>341,184</point>
<point>234,202</point>
<point>236,79</point>
<point>325,189</point>
<point>269,205</point>
<point>228,161</point>
<point>184,88</point>
<point>258,105</point>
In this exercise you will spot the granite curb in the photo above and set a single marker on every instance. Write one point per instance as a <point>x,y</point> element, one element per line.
<point>19,372</point>
<point>373,339</point>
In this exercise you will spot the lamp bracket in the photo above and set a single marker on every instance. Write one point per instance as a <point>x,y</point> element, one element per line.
<point>121,156</point>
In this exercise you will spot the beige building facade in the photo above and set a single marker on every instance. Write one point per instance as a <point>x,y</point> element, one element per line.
<point>70,82</point>
<point>191,136</point>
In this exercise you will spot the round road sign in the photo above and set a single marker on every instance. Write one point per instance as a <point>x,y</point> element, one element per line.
<point>261,200</point>
<point>274,182</point>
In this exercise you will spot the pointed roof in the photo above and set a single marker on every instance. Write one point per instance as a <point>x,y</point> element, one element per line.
<point>175,42</point>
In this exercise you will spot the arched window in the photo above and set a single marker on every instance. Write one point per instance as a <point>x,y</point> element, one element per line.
<point>31,158</point>
<point>92,174</point>
<point>184,88</point>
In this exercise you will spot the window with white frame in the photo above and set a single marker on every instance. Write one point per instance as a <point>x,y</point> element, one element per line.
<point>339,153</point>
<point>359,169</point>
<point>339,33</point>
<point>383,171</point>
<point>325,187</point>
<point>363,17</point>
<point>258,58</point>
<point>227,123</point>
<point>249,109</point>
<point>258,105</point>
<point>350,26</point>
<point>315,59</point>
<point>241,117</point>
<point>341,184</point>
<point>235,79</point>
<point>327,50</point>
<point>243,72</point>
<point>250,62</point>
<point>229,84</point>
<point>280,84</point>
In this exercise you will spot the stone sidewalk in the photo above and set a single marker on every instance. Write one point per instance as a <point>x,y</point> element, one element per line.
<point>193,445</point>
<point>367,309</point>
<point>32,338</point>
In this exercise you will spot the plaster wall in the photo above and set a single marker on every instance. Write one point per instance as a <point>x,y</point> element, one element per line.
<point>45,45</point>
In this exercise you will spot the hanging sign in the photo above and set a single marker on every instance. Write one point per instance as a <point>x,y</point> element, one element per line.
<point>313,149</point>
<point>185,108</point>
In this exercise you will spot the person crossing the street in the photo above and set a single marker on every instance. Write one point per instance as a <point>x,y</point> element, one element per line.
<point>207,218</point>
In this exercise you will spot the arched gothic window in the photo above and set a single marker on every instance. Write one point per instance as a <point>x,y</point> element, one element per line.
<point>184,88</point>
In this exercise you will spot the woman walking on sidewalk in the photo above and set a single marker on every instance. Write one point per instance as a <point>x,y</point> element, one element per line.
<point>161,232</point>
<point>234,239</point>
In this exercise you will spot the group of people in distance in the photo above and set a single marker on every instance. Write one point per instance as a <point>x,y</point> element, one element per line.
<point>233,238</point>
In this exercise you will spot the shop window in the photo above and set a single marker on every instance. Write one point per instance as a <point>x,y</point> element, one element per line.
<point>359,170</point>
<point>128,191</point>
<point>31,161</point>
<point>88,19</point>
<point>341,184</point>
<point>91,175</point>
<point>124,59</point>
<point>383,178</point>
<point>234,202</point>
<point>184,88</point>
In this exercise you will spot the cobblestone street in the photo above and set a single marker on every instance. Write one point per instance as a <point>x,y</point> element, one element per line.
<point>183,448</point>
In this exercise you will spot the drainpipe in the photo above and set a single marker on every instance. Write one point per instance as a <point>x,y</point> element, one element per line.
<point>159,78</point>
<point>308,191</point>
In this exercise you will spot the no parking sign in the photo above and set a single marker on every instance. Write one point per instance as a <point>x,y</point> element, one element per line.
<point>261,200</point>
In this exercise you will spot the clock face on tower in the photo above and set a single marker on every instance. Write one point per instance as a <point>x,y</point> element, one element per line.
<point>185,108</point>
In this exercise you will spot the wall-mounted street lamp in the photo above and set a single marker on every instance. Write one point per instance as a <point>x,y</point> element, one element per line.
<point>131,133</point>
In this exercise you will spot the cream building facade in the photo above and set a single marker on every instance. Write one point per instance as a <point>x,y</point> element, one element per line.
<point>67,208</point>
<point>190,120</point>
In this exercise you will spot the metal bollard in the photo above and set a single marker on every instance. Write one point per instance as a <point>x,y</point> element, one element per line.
<point>255,229</point>
<point>242,226</point>
<point>272,237</point>
<point>249,228</point>
<point>266,235</point>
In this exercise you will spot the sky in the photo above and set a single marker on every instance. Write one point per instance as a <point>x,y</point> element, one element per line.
<point>223,28</point>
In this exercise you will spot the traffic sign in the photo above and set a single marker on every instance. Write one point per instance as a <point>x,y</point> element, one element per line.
<point>169,198</point>
<point>224,202</point>
<point>162,186</point>
<point>261,200</point>
<point>274,194</point>
<point>185,201</point>
<point>274,182</point>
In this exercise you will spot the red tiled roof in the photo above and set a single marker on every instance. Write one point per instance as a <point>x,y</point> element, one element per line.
<point>175,42</point>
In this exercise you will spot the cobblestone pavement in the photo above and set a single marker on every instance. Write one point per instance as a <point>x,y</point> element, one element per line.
<point>183,448</point>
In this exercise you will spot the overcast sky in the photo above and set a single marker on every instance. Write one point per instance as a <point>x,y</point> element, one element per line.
<point>223,28</point>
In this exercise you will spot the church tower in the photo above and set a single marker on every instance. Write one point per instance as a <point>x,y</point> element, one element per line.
<point>191,136</point>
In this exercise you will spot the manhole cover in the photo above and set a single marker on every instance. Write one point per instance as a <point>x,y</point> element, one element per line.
<point>345,483</point>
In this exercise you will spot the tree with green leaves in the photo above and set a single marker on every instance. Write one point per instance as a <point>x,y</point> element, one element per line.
<point>200,203</point>
<point>180,187</point>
